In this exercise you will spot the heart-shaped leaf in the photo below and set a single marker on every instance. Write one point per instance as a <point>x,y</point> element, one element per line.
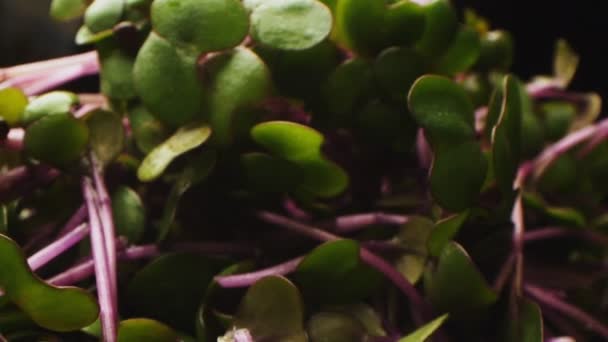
<point>55,102</point>
<point>65,10</point>
<point>423,333</point>
<point>185,139</point>
<point>56,139</point>
<point>12,104</point>
<point>290,24</point>
<point>106,135</point>
<point>272,309</point>
<point>103,14</point>
<point>144,329</point>
<point>53,308</point>
<point>456,286</point>
<point>201,25</point>
<point>129,214</point>
<point>334,274</point>
<point>166,81</point>
<point>237,80</point>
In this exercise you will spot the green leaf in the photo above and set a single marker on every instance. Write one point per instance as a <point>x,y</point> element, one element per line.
<point>185,139</point>
<point>12,104</point>
<point>144,329</point>
<point>335,327</point>
<point>506,136</point>
<point>565,62</point>
<point>334,274</point>
<point>396,69</point>
<point>444,232</point>
<point>148,131</point>
<point>424,332</point>
<point>171,288</point>
<point>404,23</point>
<point>56,139</point>
<point>106,135</point>
<point>457,175</point>
<point>84,35</point>
<point>55,102</point>
<point>441,26</point>
<point>321,178</point>
<point>456,286</point>
<point>347,85</point>
<point>103,14</point>
<point>288,140</point>
<point>65,10</point>
<point>166,81</point>
<point>443,108</point>
<point>559,117</point>
<point>496,51</point>
<point>53,308</point>
<point>290,24</point>
<point>269,174</point>
<point>129,214</point>
<point>200,25</point>
<point>462,53</point>
<point>528,327</point>
<point>237,80</point>
<point>116,74</point>
<point>272,309</point>
<point>413,236</point>
<point>357,24</point>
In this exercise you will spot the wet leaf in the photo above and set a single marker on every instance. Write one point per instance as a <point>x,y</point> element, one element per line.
<point>200,25</point>
<point>53,308</point>
<point>56,139</point>
<point>55,102</point>
<point>106,135</point>
<point>290,24</point>
<point>12,104</point>
<point>129,214</point>
<point>272,309</point>
<point>424,332</point>
<point>185,139</point>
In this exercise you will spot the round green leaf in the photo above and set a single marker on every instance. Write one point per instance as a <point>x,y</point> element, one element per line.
<point>463,52</point>
<point>290,24</point>
<point>396,69</point>
<point>103,14</point>
<point>57,139</point>
<point>441,25</point>
<point>456,286</point>
<point>321,178</point>
<point>68,9</point>
<point>443,108</point>
<point>288,140</point>
<point>106,135</point>
<point>116,74</point>
<point>237,80</point>
<point>171,288</point>
<point>457,175</point>
<point>358,24</point>
<point>334,274</point>
<point>55,102</point>
<point>269,174</point>
<point>143,329</point>
<point>184,140</point>
<point>129,214</point>
<point>12,104</point>
<point>496,51</point>
<point>404,22</point>
<point>346,86</point>
<point>272,309</point>
<point>204,25</point>
<point>148,131</point>
<point>53,308</point>
<point>166,80</point>
<point>335,326</point>
<point>559,117</point>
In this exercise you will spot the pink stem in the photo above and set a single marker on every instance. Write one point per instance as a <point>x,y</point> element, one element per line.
<point>551,301</point>
<point>248,279</point>
<point>47,254</point>
<point>355,222</point>
<point>423,149</point>
<point>59,77</point>
<point>517,217</point>
<point>504,273</point>
<point>77,218</point>
<point>555,232</point>
<point>46,66</point>
<point>106,293</point>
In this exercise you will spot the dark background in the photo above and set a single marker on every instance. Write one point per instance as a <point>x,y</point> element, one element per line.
<point>27,34</point>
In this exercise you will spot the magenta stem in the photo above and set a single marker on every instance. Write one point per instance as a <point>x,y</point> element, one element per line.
<point>45,66</point>
<point>74,274</point>
<point>106,293</point>
<point>23,179</point>
<point>556,232</point>
<point>248,279</point>
<point>504,273</point>
<point>75,220</point>
<point>548,300</point>
<point>517,217</point>
<point>366,256</point>
<point>47,254</point>
<point>423,150</point>
<point>355,222</point>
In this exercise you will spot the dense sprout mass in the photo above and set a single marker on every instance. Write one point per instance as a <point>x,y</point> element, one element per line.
<point>299,170</point>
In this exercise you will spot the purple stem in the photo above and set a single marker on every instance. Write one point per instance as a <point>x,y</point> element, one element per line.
<point>366,256</point>
<point>106,293</point>
<point>576,314</point>
<point>355,222</point>
<point>248,279</point>
<point>555,232</point>
<point>504,273</point>
<point>295,211</point>
<point>41,235</point>
<point>517,217</point>
<point>423,149</point>
<point>77,218</point>
<point>23,179</point>
<point>106,218</point>
<point>74,274</point>
<point>47,254</point>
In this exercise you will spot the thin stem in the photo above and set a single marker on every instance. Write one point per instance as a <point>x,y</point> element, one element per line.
<point>517,217</point>
<point>355,222</point>
<point>106,218</point>
<point>52,80</point>
<point>567,309</point>
<point>248,279</point>
<point>106,293</point>
<point>75,220</point>
<point>23,179</point>
<point>556,232</point>
<point>47,254</point>
<point>366,256</point>
<point>46,66</point>
<point>423,150</point>
<point>504,273</point>
<point>74,274</point>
